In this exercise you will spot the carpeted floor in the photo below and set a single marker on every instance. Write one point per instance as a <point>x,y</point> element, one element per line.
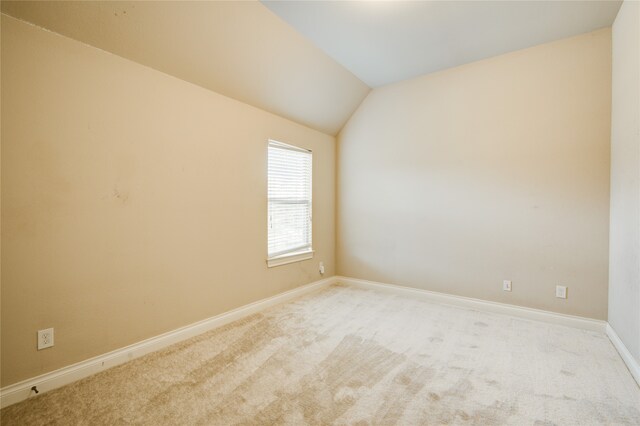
<point>350,356</point>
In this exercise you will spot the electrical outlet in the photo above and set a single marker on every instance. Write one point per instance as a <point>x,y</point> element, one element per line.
<point>561,292</point>
<point>506,285</point>
<point>321,268</point>
<point>45,338</point>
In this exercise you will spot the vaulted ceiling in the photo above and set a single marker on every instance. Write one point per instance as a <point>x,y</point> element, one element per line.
<point>310,61</point>
<point>388,41</point>
<point>239,49</point>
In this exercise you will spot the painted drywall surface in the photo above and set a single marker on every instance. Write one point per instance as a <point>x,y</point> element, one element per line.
<point>458,180</point>
<point>390,41</point>
<point>133,203</point>
<point>624,266</point>
<point>237,48</point>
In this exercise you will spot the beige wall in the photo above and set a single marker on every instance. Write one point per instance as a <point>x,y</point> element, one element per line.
<point>624,273</point>
<point>494,170</point>
<point>133,203</point>
<point>237,48</point>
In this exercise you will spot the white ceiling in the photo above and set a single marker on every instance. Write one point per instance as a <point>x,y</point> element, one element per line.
<point>239,49</point>
<point>388,41</point>
<point>315,75</point>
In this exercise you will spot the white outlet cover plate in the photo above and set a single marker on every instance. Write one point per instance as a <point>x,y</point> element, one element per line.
<point>561,292</point>
<point>45,338</point>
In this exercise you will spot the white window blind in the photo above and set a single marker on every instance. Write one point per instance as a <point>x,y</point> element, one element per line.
<point>289,194</point>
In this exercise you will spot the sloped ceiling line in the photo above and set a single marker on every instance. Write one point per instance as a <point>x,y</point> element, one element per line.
<point>266,63</point>
<point>312,62</point>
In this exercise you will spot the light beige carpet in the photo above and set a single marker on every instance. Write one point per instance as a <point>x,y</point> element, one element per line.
<point>350,356</point>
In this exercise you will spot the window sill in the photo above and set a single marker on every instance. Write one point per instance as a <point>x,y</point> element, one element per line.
<point>289,258</point>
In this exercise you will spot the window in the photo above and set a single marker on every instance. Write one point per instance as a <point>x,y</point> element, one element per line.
<point>289,210</point>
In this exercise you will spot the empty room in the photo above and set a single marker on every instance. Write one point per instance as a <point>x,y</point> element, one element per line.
<point>320,213</point>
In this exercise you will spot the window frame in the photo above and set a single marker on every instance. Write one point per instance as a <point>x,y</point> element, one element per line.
<point>293,255</point>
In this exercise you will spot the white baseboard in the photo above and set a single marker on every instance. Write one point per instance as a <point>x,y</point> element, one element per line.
<point>55,379</point>
<point>481,305</point>
<point>629,360</point>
